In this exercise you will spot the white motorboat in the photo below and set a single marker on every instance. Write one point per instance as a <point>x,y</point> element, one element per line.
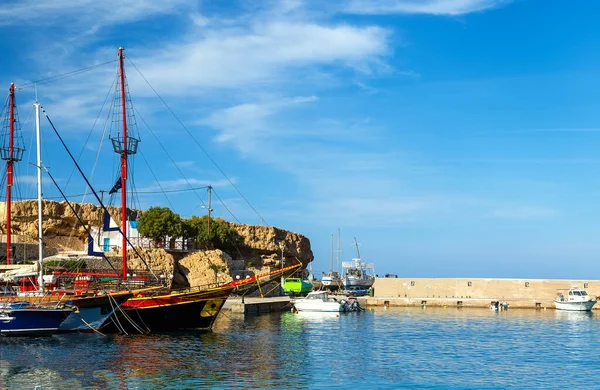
<point>320,301</point>
<point>573,299</point>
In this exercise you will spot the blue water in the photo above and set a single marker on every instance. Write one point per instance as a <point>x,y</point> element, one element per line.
<point>393,348</point>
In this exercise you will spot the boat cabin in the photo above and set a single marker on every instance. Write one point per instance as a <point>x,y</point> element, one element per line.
<point>572,294</point>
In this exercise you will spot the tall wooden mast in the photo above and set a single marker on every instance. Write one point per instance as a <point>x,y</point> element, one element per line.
<point>9,167</point>
<point>11,153</point>
<point>123,171</point>
<point>124,146</point>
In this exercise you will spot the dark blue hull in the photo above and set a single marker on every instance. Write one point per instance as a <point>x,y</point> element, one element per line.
<point>31,321</point>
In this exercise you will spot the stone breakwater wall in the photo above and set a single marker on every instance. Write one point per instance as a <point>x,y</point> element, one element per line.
<point>474,292</point>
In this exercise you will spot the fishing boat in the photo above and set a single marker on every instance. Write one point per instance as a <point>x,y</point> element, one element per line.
<point>24,319</point>
<point>320,301</point>
<point>573,299</point>
<point>357,273</point>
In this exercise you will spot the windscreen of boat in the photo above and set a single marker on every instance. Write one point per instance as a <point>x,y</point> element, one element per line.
<point>576,293</point>
<point>584,293</point>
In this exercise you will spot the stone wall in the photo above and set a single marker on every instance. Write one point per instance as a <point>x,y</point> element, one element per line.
<point>24,252</point>
<point>534,293</point>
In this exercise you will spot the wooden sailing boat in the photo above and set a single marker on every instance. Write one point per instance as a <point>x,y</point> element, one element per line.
<point>92,308</point>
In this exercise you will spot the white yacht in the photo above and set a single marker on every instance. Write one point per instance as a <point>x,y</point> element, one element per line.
<point>573,299</point>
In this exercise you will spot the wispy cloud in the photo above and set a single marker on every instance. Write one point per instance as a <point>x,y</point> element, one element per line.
<point>86,14</point>
<point>433,7</point>
<point>523,213</point>
<point>246,125</point>
<point>263,53</point>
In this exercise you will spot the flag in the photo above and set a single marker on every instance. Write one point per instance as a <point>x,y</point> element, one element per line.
<point>116,187</point>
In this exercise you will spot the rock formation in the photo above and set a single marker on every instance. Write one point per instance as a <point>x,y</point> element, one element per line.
<point>261,250</point>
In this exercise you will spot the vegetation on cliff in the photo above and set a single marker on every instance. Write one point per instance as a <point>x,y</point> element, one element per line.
<point>158,223</point>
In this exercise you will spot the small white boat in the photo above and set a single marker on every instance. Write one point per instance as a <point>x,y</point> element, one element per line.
<point>320,301</point>
<point>573,299</point>
<point>332,281</point>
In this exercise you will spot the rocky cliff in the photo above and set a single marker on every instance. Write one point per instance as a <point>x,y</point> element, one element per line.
<point>262,249</point>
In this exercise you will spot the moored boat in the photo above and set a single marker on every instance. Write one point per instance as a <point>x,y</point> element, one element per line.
<point>357,273</point>
<point>332,280</point>
<point>296,286</point>
<point>24,319</point>
<point>320,301</point>
<point>573,299</point>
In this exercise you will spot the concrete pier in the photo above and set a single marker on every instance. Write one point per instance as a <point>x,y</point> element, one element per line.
<point>255,306</point>
<point>474,292</point>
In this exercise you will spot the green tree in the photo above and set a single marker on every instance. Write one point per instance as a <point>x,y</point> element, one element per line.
<point>221,236</point>
<point>159,222</point>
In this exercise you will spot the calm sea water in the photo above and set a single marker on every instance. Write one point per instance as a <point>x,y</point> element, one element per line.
<point>393,348</point>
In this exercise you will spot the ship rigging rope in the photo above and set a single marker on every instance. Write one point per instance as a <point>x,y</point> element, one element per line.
<point>129,192</point>
<point>168,155</point>
<point>78,217</point>
<point>196,141</point>
<point>223,204</point>
<point>90,135</point>
<point>156,179</point>
<point>94,191</point>
<point>64,75</point>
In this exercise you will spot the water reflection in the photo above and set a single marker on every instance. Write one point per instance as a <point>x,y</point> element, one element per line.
<point>397,347</point>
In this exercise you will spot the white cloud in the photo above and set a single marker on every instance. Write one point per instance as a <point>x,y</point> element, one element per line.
<point>262,54</point>
<point>433,7</point>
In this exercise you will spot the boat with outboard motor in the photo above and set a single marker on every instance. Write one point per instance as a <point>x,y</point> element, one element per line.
<point>320,301</point>
<point>573,299</point>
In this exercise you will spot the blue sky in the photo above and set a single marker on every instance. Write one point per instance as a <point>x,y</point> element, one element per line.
<point>453,138</point>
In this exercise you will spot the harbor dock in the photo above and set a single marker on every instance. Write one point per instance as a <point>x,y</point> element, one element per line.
<point>254,306</point>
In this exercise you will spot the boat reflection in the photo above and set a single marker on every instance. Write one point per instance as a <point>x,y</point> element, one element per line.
<point>317,316</point>
<point>574,315</point>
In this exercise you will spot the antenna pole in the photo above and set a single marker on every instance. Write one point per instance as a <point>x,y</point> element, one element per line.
<point>9,168</point>
<point>123,171</point>
<point>209,210</point>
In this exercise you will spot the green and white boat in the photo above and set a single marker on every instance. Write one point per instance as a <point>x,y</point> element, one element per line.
<point>296,286</point>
